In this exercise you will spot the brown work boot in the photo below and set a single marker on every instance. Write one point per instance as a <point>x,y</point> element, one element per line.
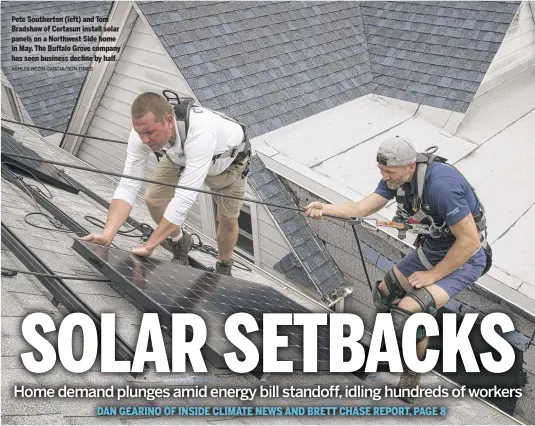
<point>181,248</point>
<point>224,267</point>
<point>408,380</point>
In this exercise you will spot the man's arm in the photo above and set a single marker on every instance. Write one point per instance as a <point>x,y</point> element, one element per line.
<point>369,205</point>
<point>447,195</point>
<point>125,193</point>
<point>199,151</point>
<point>118,213</point>
<point>465,246</point>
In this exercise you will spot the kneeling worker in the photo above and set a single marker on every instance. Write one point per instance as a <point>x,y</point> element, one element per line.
<point>435,201</point>
<point>192,147</point>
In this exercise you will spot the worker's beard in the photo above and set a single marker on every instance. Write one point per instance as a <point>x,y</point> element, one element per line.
<point>396,185</point>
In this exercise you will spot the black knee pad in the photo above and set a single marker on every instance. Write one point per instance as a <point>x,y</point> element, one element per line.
<point>394,286</point>
<point>384,303</point>
<point>425,300</point>
<point>381,302</point>
<point>427,305</point>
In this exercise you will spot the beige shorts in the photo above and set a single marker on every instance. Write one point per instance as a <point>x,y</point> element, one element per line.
<point>230,182</point>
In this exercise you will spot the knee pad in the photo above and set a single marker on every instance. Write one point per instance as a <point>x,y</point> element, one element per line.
<point>425,300</point>
<point>380,301</point>
<point>384,303</point>
<point>427,304</point>
<point>394,286</point>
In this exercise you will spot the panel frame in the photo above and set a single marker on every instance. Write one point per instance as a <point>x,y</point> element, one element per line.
<point>56,179</point>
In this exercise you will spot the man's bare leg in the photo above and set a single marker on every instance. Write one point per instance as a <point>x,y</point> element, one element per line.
<point>227,236</point>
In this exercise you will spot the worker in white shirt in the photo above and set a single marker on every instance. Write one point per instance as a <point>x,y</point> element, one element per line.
<point>200,146</point>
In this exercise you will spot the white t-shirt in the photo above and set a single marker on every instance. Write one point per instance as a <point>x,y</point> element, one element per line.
<point>208,135</point>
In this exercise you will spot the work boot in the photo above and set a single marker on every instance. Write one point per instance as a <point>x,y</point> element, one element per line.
<point>224,267</point>
<point>408,380</point>
<point>181,248</point>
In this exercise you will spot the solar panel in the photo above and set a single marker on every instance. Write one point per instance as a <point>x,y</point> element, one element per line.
<point>167,288</point>
<point>45,172</point>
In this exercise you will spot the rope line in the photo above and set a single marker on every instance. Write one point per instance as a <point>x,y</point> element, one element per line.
<point>352,221</point>
<point>187,188</point>
<point>65,133</point>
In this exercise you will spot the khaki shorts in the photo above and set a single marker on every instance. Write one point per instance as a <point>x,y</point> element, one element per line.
<point>230,182</point>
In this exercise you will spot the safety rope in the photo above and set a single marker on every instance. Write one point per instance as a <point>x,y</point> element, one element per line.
<point>65,133</point>
<point>203,191</point>
<point>200,246</point>
<point>354,228</point>
<point>353,221</point>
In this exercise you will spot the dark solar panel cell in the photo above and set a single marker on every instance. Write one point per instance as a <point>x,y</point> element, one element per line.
<point>45,172</point>
<point>167,288</point>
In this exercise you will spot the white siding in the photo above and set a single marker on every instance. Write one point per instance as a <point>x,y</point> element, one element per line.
<point>6,106</point>
<point>144,66</point>
<point>517,51</point>
<point>272,244</point>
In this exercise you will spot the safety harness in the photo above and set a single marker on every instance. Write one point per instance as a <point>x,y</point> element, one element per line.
<point>417,216</point>
<point>182,107</point>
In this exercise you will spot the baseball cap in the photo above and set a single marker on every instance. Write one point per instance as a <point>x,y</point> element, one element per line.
<point>396,151</point>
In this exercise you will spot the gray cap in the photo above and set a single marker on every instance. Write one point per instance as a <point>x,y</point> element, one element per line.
<point>396,151</point>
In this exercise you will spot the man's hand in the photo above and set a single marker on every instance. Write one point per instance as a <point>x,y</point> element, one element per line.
<point>144,251</point>
<point>421,279</point>
<point>315,210</point>
<point>101,239</point>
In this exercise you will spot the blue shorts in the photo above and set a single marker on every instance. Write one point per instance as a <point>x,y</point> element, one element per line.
<point>453,283</point>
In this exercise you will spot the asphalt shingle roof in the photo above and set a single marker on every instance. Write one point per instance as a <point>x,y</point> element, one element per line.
<point>434,53</point>
<point>311,265</point>
<point>271,64</point>
<point>49,96</point>
<point>267,64</point>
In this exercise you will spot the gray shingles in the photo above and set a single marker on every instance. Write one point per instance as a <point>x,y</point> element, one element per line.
<point>274,38</point>
<point>299,237</point>
<point>34,88</point>
<point>260,52</point>
<point>314,262</point>
<point>441,41</point>
<point>310,254</point>
<point>293,224</point>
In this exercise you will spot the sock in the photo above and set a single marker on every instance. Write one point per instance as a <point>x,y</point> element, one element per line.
<point>178,237</point>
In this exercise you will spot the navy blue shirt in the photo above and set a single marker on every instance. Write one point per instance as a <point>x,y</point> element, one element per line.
<point>450,199</point>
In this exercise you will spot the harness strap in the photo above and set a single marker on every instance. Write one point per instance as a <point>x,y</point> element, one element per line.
<point>182,111</point>
<point>423,161</point>
<point>423,259</point>
<point>421,170</point>
<point>244,147</point>
<point>182,132</point>
<point>182,108</point>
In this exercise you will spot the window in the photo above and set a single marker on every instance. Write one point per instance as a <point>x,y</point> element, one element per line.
<point>245,236</point>
<point>245,244</point>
